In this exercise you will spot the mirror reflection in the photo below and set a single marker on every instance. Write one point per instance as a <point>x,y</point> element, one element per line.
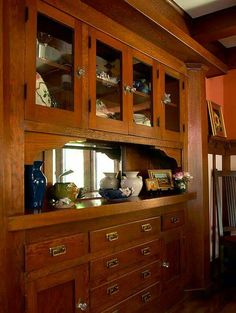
<point>84,164</point>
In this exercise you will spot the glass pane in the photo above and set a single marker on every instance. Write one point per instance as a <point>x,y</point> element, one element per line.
<point>142,95</point>
<point>54,64</point>
<point>108,82</point>
<point>172,103</point>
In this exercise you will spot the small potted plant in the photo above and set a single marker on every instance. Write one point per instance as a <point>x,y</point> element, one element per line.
<point>181,180</point>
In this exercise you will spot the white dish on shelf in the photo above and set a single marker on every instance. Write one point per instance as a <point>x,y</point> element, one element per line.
<point>42,95</point>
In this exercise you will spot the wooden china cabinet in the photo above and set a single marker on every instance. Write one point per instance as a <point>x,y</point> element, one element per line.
<point>85,77</point>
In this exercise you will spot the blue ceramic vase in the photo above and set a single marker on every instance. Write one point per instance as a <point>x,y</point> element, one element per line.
<point>35,186</point>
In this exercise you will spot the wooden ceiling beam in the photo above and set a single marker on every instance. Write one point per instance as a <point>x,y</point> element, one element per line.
<point>231,57</point>
<point>215,26</point>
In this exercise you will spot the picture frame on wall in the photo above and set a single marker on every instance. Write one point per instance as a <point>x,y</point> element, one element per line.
<point>216,119</point>
<point>163,177</point>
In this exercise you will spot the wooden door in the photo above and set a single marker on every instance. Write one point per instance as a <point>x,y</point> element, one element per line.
<point>173,265</point>
<point>54,68</point>
<point>172,104</point>
<point>143,95</point>
<point>107,78</point>
<point>64,292</point>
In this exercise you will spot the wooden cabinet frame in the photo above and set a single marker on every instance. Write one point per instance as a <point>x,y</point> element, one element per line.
<point>41,113</point>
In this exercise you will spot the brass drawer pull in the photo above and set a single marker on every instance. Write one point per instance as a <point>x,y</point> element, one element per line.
<point>146,227</point>
<point>146,251</point>
<point>58,250</point>
<point>145,274</point>
<point>174,220</point>
<point>112,236</point>
<point>113,290</point>
<point>146,297</point>
<point>112,263</point>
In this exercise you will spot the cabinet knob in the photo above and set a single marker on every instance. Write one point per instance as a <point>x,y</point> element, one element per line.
<point>127,89</point>
<point>165,264</point>
<point>80,72</point>
<point>82,306</point>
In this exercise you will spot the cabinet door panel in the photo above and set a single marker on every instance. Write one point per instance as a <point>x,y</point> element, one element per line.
<point>107,76</point>
<point>173,258</point>
<point>142,118</point>
<point>172,104</point>
<point>54,55</point>
<point>59,292</point>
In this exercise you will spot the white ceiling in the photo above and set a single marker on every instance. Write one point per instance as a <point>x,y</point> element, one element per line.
<point>197,8</point>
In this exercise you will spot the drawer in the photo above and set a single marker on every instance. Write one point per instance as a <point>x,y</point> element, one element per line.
<point>136,302</point>
<point>172,220</point>
<point>113,292</point>
<point>117,235</point>
<point>50,252</point>
<point>117,263</point>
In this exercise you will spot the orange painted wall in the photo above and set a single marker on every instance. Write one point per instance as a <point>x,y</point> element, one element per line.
<point>215,89</point>
<point>230,104</point>
<point>222,90</point>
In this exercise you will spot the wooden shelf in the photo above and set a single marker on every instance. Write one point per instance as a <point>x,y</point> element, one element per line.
<point>46,66</point>
<point>107,83</point>
<point>93,209</point>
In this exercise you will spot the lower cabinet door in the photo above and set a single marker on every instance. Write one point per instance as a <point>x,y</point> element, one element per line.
<point>64,292</point>
<point>173,261</point>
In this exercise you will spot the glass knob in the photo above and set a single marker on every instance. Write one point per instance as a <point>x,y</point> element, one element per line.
<point>80,72</point>
<point>127,89</point>
<point>82,306</point>
<point>165,264</point>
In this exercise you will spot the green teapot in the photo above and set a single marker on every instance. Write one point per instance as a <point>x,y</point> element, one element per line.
<point>65,190</point>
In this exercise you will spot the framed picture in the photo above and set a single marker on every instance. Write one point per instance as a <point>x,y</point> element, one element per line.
<point>163,177</point>
<point>151,184</point>
<point>216,119</point>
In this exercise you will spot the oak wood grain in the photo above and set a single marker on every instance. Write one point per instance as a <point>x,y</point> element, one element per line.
<point>93,210</point>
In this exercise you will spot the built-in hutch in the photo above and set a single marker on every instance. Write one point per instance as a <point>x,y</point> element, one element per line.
<point>72,73</point>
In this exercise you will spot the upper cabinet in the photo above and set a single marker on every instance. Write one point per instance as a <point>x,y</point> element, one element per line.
<point>173,103</point>
<point>107,80</point>
<point>54,69</point>
<point>143,95</point>
<point>79,76</point>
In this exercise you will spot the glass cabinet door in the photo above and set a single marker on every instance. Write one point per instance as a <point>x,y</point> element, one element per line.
<point>54,64</point>
<point>142,88</point>
<point>172,100</point>
<point>107,74</point>
<point>53,52</point>
<point>172,103</point>
<point>108,82</point>
<point>142,93</point>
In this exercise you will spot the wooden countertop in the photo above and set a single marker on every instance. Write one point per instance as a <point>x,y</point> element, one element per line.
<point>90,209</point>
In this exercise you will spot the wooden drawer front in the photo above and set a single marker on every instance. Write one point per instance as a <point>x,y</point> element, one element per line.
<point>114,236</point>
<point>172,220</point>
<point>53,251</point>
<point>138,301</point>
<point>102,268</point>
<point>119,289</point>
